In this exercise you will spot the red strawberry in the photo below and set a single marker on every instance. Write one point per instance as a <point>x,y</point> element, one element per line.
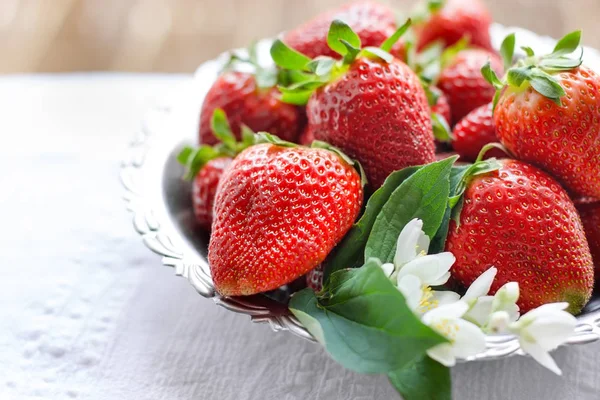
<point>279,211</point>
<point>442,106</point>
<point>373,22</point>
<point>314,278</point>
<point>520,220</point>
<point>377,112</point>
<point>307,137</point>
<point>204,189</point>
<point>261,109</point>
<point>475,131</point>
<point>589,210</point>
<point>463,83</point>
<point>548,115</point>
<point>457,19</point>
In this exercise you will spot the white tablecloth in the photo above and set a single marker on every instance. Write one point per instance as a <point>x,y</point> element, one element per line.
<point>87,312</point>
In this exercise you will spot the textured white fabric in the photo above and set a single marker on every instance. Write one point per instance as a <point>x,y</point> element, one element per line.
<point>87,312</point>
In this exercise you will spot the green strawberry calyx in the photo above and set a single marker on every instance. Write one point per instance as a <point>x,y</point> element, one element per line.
<point>536,71</point>
<point>195,158</point>
<point>246,60</point>
<point>306,75</point>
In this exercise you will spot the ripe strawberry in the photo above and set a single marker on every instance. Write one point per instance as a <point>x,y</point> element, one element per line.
<point>314,278</point>
<point>547,114</point>
<point>442,106</point>
<point>520,220</point>
<point>463,84</point>
<point>475,131</point>
<point>589,210</point>
<point>369,104</point>
<point>457,19</point>
<point>204,189</point>
<point>279,211</point>
<point>377,112</point>
<point>373,22</point>
<point>245,103</point>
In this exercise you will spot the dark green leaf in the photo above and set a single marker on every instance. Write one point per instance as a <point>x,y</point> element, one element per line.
<point>567,44</point>
<point>321,66</point>
<point>350,251</point>
<point>339,31</point>
<point>438,243</point>
<point>507,50</point>
<point>287,57</point>
<point>517,75</point>
<point>221,129</point>
<point>441,128</point>
<point>424,195</point>
<point>364,321</point>
<point>546,85</point>
<point>528,50</point>
<point>490,76</point>
<point>424,379</point>
<point>377,52</point>
<point>392,40</point>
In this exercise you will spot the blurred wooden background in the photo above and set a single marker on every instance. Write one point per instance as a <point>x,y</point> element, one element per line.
<point>177,35</point>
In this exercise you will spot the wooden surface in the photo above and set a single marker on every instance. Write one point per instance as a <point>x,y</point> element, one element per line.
<point>177,35</point>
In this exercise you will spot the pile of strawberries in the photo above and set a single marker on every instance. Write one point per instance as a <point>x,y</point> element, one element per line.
<point>354,97</point>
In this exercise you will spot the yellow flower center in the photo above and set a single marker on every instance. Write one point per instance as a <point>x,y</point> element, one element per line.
<point>428,302</point>
<point>446,328</point>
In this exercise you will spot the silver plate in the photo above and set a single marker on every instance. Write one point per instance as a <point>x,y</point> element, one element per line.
<point>160,202</point>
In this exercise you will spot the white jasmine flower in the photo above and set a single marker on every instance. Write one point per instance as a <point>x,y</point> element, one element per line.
<point>544,329</point>
<point>465,338</point>
<point>414,272</point>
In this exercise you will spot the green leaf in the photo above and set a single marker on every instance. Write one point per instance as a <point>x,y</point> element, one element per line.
<point>221,129</point>
<point>424,195</point>
<point>287,57</point>
<point>424,379</point>
<point>517,75</point>
<point>441,128</point>
<point>490,76</point>
<point>507,50</point>
<point>184,155</point>
<point>339,31</point>
<point>432,96</point>
<point>438,243</point>
<point>364,321</point>
<point>546,85</point>
<point>560,63</point>
<point>568,44</point>
<point>379,53</point>
<point>435,5</point>
<point>265,137</point>
<point>195,159</point>
<point>351,52</point>
<point>296,97</point>
<point>392,40</point>
<point>451,52</point>
<point>528,50</point>
<point>349,252</point>
<point>321,66</point>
